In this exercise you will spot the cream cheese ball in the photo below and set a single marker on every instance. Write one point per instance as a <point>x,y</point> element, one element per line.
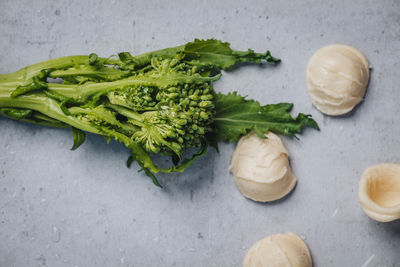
<point>281,250</point>
<point>261,168</point>
<point>337,78</point>
<point>379,192</point>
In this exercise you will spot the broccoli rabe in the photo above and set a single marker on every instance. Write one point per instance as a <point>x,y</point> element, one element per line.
<point>160,102</point>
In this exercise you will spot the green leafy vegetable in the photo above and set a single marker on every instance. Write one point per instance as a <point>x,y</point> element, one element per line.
<point>161,102</point>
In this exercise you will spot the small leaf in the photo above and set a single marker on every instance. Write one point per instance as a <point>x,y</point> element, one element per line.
<point>124,56</point>
<point>129,161</point>
<point>189,161</point>
<point>79,138</point>
<point>142,162</point>
<point>36,84</point>
<point>93,58</point>
<point>153,177</point>
<point>175,159</point>
<point>212,141</point>
<point>15,113</point>
<point>64,108</point>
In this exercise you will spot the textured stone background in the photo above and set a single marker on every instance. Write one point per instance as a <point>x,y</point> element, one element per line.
<point>85,208</point>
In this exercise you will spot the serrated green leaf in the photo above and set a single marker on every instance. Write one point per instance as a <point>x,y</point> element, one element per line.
<point>216,53</point>
<point>79,137</point>
<point>236,116</point>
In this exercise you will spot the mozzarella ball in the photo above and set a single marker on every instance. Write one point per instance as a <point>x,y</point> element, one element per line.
<point>337,78</point>
<point>286,250</point>
<point>261,168</point>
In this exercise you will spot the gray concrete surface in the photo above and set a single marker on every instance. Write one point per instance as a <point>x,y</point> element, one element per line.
<point>85,208</point>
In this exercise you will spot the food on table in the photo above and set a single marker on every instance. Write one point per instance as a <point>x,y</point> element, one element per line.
<point>287,250</point>
<point>337,78</point>
<point>160,102</point>
<point>261,168</point>
<point>379,192</point>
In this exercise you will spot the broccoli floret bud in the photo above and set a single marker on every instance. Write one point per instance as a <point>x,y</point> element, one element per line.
<point>168,120</point>
<point>136,98</point>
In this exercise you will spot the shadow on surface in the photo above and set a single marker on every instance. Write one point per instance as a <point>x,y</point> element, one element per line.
<point>393,228</point>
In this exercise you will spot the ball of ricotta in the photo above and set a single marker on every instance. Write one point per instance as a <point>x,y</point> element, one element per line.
<point>279,250</point>
<point>261,168</point>
<point>337,78</point>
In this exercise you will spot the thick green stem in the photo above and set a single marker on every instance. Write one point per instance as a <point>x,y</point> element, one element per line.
<point>127,113</point>
<point>26,74</point>
<point>106,73</point>
<point>46,106</point>
<point>37,118</point>
<point>84,91</point>
<point>47,121</point>
<point>15,77</point>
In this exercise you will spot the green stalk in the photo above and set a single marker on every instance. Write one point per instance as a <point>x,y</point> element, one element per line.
<point>46,106</point>
<point>84,91</point>
<point>47,121</point>
<point>38,119</point>
<point>26,74</point>
<point>106,73</point>
<point>127,113</point>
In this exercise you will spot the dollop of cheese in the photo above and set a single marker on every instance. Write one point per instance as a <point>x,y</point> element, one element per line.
<point>287,250</point>
<point>379,192</point>
<point>261,168</point>
<point>337,78</point>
